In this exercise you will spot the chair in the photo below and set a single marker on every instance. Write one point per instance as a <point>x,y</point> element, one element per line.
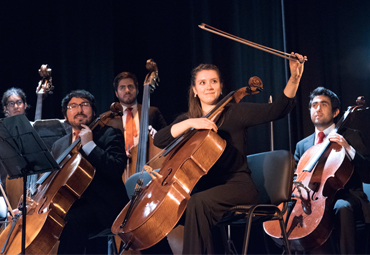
<point>272,173</point>
<point>112,248</point>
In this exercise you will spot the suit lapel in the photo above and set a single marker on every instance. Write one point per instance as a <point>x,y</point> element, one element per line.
<point>310,142</point>
<point>139,110</point>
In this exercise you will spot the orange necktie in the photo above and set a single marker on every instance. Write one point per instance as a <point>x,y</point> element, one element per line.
<point>75,134</point>
<point>130,128</point>
<point>321,137</point>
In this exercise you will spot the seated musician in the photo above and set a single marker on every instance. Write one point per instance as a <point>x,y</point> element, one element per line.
<point>106,195</point>
<point>229,180</point>
<point>351,202</point>
<point>126,88</point>
<point>14,103</point>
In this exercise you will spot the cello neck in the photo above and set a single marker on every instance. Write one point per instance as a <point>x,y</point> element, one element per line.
<point>115,109</point>
<point>184,137</point>
<point>236,95</point>
<point>77,142</point>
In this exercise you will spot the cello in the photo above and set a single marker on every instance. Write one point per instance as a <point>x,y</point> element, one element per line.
<point>322,171</point>
<point>156,208</point>
<point>56,193</point>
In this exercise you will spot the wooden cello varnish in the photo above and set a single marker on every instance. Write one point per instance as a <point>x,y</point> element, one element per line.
<point>157,208</point>
<point>322,171</point>
<point>55,195</point>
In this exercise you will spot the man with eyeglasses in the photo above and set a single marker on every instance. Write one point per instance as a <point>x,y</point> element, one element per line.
<point>14,103</point>
<point>106,195</point>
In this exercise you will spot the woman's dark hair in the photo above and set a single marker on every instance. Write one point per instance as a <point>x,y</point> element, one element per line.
<point>13,91</point>
<point>124,75</point>
<point>79,94</point>
<point>195,108</point>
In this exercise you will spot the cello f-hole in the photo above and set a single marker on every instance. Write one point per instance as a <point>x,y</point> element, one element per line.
<point>168,174</point>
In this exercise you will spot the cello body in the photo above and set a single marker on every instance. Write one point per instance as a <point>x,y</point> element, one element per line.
<point>310,222</point>
<point>56,193</point>
<point>156,208</point>
<point>160,205</point>
<point>45,217</point>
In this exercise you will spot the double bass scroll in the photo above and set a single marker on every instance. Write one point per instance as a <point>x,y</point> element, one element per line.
<point>44,88</point>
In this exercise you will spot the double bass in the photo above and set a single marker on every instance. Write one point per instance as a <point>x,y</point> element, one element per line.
<point>56,192</point>
<point>145,149</point>
<point>14,187</point>
<point>322,171</point>
<point>156,208</point>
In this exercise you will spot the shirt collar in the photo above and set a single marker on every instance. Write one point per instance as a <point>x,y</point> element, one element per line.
<point>326,131</point>
<point>134,107</point>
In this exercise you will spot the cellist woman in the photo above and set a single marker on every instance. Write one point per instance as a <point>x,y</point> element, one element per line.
<point>106,195</point>
<point>229,180</point>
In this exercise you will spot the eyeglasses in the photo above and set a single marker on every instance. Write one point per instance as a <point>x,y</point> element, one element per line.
<point>11,104</point>
<point>83,105</point>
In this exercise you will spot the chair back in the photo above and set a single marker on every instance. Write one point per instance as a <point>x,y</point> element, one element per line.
<point>272,172</point>
<point>51,130</point>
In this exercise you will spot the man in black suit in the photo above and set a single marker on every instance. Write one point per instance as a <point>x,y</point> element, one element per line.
<point>351,202</point>
<point>106,195</point>
<point>126,88</point>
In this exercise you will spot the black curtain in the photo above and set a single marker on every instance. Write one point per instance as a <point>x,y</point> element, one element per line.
<point>86,43</point>
<point>335,36</point>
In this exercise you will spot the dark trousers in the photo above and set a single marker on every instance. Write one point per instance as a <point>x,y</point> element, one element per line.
<point>206,208</point>
<point>347,210</point>
<point>81,223</point>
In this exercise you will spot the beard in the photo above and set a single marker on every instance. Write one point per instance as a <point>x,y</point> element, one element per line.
<point>77,121</point>
<point>128,99</point>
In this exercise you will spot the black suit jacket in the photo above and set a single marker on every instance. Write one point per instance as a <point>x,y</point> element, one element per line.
<point>361,164</point>
<point>106,194</point>
<point>155,117</point>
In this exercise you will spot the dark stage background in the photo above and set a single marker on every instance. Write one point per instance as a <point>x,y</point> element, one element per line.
<point>86,43</point>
